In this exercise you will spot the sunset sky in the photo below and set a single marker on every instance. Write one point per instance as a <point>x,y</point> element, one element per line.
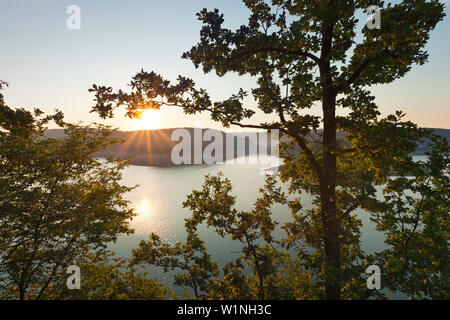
<point>49,66</point>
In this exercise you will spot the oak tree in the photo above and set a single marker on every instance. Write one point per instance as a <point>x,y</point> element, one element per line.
<point>305,53</point>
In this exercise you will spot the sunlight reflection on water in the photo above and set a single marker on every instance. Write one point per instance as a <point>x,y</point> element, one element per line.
<point>152,216</point>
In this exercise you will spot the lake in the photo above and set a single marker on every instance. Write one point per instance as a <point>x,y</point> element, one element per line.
<point>162,190</point>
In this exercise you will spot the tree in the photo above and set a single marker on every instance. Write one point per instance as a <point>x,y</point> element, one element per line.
<point>191,257</point>
<point>415,219</point>
<point>57,201</point>
<point>105,277</point>
<point>304,53</point>
<point>214,205</point>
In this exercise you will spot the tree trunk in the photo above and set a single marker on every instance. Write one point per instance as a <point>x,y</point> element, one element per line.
<point>261,287</point>
<point>195,291</point>
<point>21,293</point>
<point>328,201</point>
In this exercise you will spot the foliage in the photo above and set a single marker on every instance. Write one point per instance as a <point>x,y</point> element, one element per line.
<point>105,277</point>
<point>57,201</point>
<point>191,257</point>
<point>305,53</point>
<point>214,206</point>
<point>415,219</point>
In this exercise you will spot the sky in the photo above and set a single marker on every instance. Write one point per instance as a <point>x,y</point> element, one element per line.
<point>49,66</point>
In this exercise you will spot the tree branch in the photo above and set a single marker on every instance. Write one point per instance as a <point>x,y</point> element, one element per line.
<point>299,53</point>
<point>302,143</point>
<point>354,75</point>
<point>363,66</point>
<point>349,210</point>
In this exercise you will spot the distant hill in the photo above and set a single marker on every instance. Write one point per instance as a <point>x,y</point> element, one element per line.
<point>154,147</point>
<point>422,148</point>
<point>314,140</point>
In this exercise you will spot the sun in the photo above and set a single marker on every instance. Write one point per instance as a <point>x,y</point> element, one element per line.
<point>148,120</point>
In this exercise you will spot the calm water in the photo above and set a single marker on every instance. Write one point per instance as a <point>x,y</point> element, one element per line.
<point>158,202</point>
<point>161,192</point>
